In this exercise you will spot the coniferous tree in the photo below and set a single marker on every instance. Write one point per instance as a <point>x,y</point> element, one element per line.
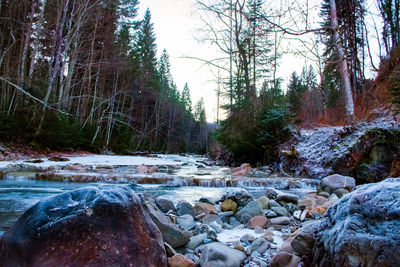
<point>390,12</point>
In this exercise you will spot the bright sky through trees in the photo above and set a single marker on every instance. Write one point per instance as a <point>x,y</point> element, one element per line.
<point>177,24</point>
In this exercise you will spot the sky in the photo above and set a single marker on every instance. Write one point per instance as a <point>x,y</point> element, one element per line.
<point>177,25</point>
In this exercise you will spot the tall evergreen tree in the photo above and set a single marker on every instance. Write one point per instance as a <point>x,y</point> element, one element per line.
<point>147,52</point>
<point>186,100</point>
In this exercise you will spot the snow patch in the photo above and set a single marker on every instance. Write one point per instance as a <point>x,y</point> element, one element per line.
<point>107,160</point>
<point>233,236</point>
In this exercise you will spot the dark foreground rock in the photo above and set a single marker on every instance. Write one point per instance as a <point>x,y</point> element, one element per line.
<point>362,229</point>
<point>91,226</point>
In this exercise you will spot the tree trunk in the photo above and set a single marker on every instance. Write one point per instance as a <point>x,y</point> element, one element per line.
<point>344,72</point>
<point>57,63</point>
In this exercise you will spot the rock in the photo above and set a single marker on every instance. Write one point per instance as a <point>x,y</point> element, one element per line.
<point>287,198</point>
<point>207,241</point>
<point>142,169</point>
<point>200,216</point>
<point>273,203</point>
<point>196,241</point>
<point>269,236</point>
<point>272,193</point>
<point>243,170</point>
<point>216,226</point>
<point>297,214</point>
<point>285,259</point>
<point>303,241</point>
<point>170,232</point>
<point>225,214</point>
<point>317,212</point>
<point>341,192</point>
<point>204,228</point>
<point>77,168</point>
<point>206,208</point>
<point>186,222</point>
<point>334,182</point>
<point>287,246</point>
<point>260,245</point>
<point>153,169</point>
<point>260,221</point>
<point>324,194</point>
<point>220,255</point>
<point>281,211</point>
<point>183,207</point>
<point>164,204</point>
<point>229,205</point>
<point>207,200</point>
<point>180,261</point>
<point>318,200</point>
<point>170,250</point>
<point>233,221</point>
<point>290,207</point>
<point>280,220</point>
<point>270,214</point>
<point>94,226</point>
<point>258,230</point>
<point>306,204</point>
<point>253,208</point>
<point>240,248</point>
<point>361,229</point>
<point>300,215</point>
<point>245,218</point>
<point>58,159</point>
<point>247,238</point>
<point>332,198</point>
<point>264,202</point>
<point>240,195</point>
<point>209,218</point>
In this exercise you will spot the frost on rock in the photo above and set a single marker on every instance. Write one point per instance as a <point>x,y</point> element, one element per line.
<point>320,149</point>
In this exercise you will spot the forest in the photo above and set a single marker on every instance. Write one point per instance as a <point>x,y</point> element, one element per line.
<point>85,75</point>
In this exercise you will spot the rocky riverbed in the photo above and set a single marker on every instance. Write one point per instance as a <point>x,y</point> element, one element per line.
<point>112,224</point>
<point>183,211</point>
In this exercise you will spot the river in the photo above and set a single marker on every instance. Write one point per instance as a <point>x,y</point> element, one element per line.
<point>177,178</point>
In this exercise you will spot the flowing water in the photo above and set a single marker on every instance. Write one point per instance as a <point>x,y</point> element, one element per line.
<point>189,181</point>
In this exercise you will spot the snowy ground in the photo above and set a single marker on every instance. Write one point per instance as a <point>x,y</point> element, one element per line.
<point>95,160</point>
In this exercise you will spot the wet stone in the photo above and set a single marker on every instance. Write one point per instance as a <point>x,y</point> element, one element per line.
<point>183,207</point>
<point>280,211</point>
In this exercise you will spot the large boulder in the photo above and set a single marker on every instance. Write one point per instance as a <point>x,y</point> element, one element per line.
<point>362,228</point>
<point>220,255</point>
<point>334,182</point>
<point>170,232</point>
<point>104,226</point>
